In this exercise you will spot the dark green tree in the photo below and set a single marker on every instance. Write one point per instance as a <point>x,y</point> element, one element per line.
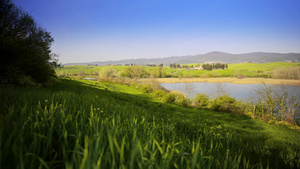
<point>24,48</point>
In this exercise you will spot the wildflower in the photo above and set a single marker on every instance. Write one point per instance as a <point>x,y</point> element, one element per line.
<point>98,109</point>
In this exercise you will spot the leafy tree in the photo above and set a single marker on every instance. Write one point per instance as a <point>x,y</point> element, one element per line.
<point>107,73</point>
<point>174,65</point>
<point>214,66</point>
<point>24,48</point>
<point>134,72</point>
<point>158,72</point>
<point>138,72</point>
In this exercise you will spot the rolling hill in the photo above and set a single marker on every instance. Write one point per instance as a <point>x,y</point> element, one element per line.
<point>220,57</point>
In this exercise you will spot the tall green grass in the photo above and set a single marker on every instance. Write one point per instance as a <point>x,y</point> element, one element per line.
<point>95,125</point>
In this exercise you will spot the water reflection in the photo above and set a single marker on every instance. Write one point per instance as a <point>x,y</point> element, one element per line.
<point>239,91</point>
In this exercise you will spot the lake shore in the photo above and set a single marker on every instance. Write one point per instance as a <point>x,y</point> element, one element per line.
<point>227,80</point>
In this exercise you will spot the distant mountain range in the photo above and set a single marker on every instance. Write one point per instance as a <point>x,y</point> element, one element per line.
<point>212,57</point>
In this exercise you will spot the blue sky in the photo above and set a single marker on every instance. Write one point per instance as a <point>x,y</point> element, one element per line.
<point>101,30</point>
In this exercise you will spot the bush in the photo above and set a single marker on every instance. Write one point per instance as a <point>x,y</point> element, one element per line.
<point>227,104</point>
<point>146,88</point>
<point>201,100</point>
<point>159,93</point>
<point>134,72</point>
<point>107,73</point>
<point>270,104</point>
<point>169,98</point>
<point>181,100</point>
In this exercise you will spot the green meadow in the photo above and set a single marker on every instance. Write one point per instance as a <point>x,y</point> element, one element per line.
<point>239,70</point>
<point>89,124</point>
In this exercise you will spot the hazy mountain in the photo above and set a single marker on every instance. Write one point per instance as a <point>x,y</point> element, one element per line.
<point>220,57</point>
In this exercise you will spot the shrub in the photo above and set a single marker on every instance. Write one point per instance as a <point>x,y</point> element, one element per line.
<point>238,107</point>
<point>134,72</point>
<point>107,73</point>
<point>153,83</point>
<point>181,100</point>
<point>169,98</point>
<point>270,104</point>
<point>227,104</point>
<point>159,93</point>
<point>146,88</point>
<point>201,100</point>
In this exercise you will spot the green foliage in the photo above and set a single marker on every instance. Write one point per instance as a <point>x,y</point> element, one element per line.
<point>262,70</point>
<point>225,103</point>
<point>169,98</point>
<point>271,104</point>
<point>179,74</point>
<point>24,48</point>
<point>201,100</point>
<point>214,66</point>
<point>146,88</point>
<point>126,72</point>
<point>181,100</point>
<point>158,72</point>
<point>159,93</point>
<point>107,73</point>
<point>134,72</point>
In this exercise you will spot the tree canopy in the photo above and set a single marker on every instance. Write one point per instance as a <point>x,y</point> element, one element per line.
<point>24,48</point>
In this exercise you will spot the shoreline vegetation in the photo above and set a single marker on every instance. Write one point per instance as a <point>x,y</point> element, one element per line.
<point>226,80</point>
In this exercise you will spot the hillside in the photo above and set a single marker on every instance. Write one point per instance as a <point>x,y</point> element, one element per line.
<point>82,124</point>
<point>256,57</point>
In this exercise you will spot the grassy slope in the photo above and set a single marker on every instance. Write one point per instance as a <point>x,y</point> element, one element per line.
<point>81,125</point>
<point>266,67</point>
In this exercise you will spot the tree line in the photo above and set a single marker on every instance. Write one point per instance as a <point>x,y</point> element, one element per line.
<point>132,72</point>
<point>214,66</point>
<point>26,57</point>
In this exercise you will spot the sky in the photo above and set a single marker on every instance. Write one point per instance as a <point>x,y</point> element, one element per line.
<point>103,30</point>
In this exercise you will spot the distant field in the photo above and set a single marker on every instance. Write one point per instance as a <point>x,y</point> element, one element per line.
<point>240,70</point>
<point>266,67</point>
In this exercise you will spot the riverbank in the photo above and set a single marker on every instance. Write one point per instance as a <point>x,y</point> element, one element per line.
<point>228,80</point>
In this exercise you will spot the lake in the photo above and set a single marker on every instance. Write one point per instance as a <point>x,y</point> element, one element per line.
<point>239,91</point>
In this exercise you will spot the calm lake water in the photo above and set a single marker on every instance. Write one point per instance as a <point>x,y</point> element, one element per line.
<point>239,91</point>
